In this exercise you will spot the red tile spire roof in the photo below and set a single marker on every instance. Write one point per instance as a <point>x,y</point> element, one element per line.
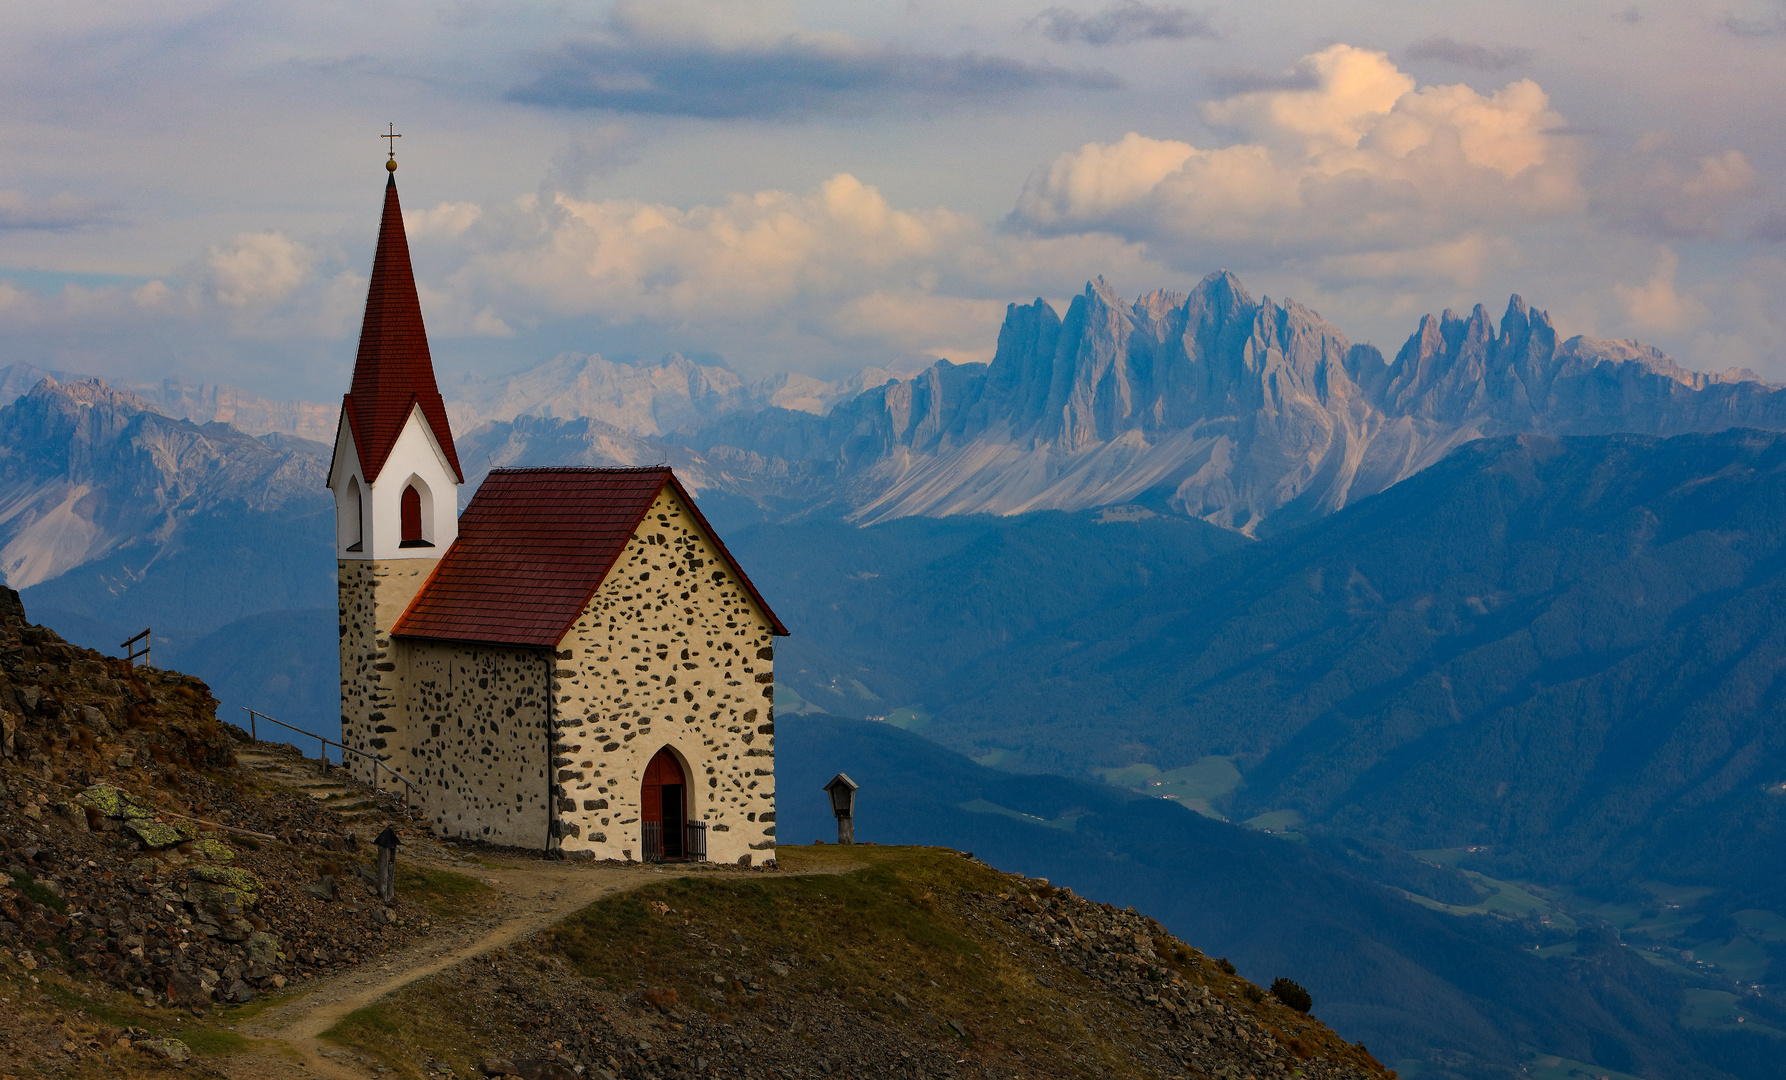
<point>533,546</point>
<point>393,372</point>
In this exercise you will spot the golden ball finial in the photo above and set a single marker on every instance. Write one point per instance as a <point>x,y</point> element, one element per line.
<point>391,165</point>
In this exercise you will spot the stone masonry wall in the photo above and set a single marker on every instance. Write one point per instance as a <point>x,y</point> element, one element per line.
<point>476,730</point>
<point>372,595</point>
<point>670,651</point>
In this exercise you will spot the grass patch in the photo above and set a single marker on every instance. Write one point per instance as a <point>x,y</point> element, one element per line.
<point>1552,1067</point>
<point>202,1037</point>
<point>1275,821</point>
<point>1715,1010</point>
<point>235,1014</point>
<point>848,932</point>
<point>900,934</point>
<point>421,1017</point>
<point>443,893</point>
<point>38,892</point>
<point>1208,778</point>
<point>1761,925</point>
<point>1129,776</point>
<point>910,718</point>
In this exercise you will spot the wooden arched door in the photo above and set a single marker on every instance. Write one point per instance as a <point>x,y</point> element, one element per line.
<point>664,803</point>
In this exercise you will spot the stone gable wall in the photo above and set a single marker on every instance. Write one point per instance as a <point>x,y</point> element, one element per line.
<point>476,723</point>
<point>671,651</point>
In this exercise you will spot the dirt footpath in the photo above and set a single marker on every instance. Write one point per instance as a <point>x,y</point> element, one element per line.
<point>285,1037</point>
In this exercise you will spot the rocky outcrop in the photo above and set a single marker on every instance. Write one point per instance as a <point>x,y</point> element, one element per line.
<point>1247,413</point>
<point>137,854</point>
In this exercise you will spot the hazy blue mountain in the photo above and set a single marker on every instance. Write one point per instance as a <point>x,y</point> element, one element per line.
<point>114,518</point>
<point>1250,414</point>
<point>1569,649</point>
<point>887,613</point>
<point>1459,997</point>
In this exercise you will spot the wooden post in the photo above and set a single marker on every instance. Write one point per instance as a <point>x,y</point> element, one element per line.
<point>387,864</point>
<point>843,803</point>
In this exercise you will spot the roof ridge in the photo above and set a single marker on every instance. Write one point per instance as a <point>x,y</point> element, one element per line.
<point>511,470</point>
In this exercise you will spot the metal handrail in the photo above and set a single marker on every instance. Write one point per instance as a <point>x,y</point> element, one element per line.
<point>252,730</point>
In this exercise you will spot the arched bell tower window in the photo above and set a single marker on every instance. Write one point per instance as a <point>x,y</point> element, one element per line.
<point>352,517</point>
<point>409,513</point>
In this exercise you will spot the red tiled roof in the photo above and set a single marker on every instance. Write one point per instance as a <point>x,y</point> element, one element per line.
<point>393,372</point>
<point>533,546</point>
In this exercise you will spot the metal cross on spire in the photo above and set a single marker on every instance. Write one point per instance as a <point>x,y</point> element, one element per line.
<point>391,141</point>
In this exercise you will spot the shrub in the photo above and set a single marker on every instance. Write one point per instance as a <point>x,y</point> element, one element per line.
<point>1292,994</point>
<point>1226,965</point>
<point>1252,993</point>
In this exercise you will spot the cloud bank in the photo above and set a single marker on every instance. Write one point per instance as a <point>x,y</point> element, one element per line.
<point>1344,155</point>
<point>1129,20</point>
<point>700,60</point>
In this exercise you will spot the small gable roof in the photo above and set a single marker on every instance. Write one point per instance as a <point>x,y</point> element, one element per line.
<point>533,546</point>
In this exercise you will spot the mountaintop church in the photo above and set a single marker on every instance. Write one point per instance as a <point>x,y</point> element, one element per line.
<point>576,662</point>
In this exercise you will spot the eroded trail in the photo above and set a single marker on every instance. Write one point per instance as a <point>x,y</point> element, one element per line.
<point>286,1037</point>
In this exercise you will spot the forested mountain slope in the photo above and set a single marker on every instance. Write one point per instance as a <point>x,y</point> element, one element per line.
<point>1568,649</point>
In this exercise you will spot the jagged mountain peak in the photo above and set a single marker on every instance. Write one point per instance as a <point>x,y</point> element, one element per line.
<point>86,392</point>
<point>1235,410</point>
<point>86,468</point>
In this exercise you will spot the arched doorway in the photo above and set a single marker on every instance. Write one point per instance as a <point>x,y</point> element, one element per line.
<point>663,808</point>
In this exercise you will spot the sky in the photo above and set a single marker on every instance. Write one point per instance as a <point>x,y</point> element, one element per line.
<point>190,189</point>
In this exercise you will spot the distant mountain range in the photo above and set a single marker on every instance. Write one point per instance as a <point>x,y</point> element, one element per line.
<point>1248,414</point>
<point>1503,603</point>
<point>1566,654</point>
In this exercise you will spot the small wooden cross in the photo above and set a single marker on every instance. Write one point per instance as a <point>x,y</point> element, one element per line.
<point>390,140</point>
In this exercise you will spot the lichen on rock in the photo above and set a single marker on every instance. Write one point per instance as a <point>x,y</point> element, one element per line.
<point>113,802</point>
<point>229,877</point>
<point>157,834</point>
<point>215,850</point>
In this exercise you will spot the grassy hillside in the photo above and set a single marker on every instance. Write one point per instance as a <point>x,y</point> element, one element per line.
<point>877,962</point>
<point>1433,993</point>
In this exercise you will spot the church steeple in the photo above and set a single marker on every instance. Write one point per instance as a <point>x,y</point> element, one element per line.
<point>394,373</point>
<point>396,472</point>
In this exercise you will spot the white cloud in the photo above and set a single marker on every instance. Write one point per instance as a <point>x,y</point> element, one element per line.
<point>1347,91</point>
<point>1101,179</point>
<point>1657,304</point>
<point>839,260</point>
<point>447,219</point>
<point>1346,155</point>
<point>257,268</point>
